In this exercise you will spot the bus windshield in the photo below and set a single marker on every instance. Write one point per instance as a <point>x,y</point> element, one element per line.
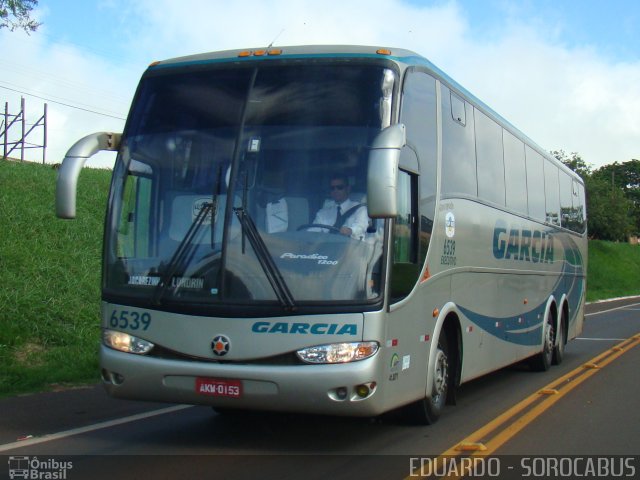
<point>228,182</point>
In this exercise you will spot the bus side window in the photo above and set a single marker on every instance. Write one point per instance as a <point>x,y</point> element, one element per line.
<point>133,231</point>
<point>458,111</point>
<point>405,270</point>
<point>579,207</point>
<point>419,115</point>
<point>458,148</point>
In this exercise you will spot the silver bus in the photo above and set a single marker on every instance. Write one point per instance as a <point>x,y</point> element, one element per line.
<point>231,279</point>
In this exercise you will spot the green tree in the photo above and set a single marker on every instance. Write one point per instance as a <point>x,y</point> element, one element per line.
<point>574,161</point>
<point>17,14</point>
<point>625,176</point>
<point>608,210</point>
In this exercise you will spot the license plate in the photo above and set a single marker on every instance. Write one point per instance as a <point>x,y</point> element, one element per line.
<point>218,387</point>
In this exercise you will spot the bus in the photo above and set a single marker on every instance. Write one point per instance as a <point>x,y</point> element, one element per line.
<point>230,279</point>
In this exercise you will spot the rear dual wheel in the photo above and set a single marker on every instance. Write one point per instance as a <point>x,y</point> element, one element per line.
<point>558,350</point>
<point>552,347</point>
<point>542,361</point>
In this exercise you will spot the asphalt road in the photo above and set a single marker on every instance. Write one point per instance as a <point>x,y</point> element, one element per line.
<point>587,411</point>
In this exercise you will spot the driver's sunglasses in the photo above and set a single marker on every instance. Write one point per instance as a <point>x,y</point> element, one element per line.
<point>338,187</point>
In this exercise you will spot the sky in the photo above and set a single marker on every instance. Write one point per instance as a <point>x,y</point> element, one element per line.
<point>565,72</point>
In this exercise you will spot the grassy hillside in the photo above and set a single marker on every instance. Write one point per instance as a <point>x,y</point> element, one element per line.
<point>50,278</point>
<point>614,270</point>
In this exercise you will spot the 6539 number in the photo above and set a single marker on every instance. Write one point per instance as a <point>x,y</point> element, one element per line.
<point>130,320</point>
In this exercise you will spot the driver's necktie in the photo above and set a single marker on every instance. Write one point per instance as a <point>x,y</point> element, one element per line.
<point>338,217</point>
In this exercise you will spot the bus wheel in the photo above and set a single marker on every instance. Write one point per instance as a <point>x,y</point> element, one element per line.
<point>558,350</point>
<point>542,361</point>
<point>428,410</point>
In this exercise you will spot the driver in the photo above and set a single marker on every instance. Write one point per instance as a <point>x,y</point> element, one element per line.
<point>343,213</point>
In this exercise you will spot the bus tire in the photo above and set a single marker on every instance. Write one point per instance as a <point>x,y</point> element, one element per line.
<point>558,350</point>
<point>542,361</point>
<point>427,410</point>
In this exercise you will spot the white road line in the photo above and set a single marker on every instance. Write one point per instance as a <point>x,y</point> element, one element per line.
<point>91,428</point>
<point>615,299</point>
<point>613,309</point>
<point>602,339</point>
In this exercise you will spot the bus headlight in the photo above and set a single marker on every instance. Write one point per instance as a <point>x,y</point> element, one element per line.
<point>338,352</point>
<point>125,342</point>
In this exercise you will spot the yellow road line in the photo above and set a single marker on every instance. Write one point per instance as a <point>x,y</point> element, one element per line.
<point>559,387</point>
<point>508,433</point>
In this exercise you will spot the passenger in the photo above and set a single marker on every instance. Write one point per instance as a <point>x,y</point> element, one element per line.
<point>343,213</point>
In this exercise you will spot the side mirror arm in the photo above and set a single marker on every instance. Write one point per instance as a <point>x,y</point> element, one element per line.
<point>78,154</point>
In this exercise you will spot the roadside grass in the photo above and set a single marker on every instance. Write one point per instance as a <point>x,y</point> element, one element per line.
<point>50,279</point>
<point>613,270</point>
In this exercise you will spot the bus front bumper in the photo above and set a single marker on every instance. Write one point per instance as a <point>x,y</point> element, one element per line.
<point>340,389</point>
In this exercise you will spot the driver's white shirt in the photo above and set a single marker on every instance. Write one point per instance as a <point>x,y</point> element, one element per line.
<point>358,221</point>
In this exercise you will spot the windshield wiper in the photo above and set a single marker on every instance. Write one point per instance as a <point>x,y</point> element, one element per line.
<point>270,268</point>
<point>214,205</point>
<point>181,254</point>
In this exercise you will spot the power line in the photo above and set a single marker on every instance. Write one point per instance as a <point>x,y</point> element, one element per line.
<point>63,104</point>
<point>35,73</point>
<point>57,98</point>
<point>58,40</point>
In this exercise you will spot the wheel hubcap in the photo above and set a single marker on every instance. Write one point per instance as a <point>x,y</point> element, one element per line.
<point>440,375</point>
<point>549,339</point>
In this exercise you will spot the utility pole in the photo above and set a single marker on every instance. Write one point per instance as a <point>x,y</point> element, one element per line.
<point>24,126</point>
<point>44,135</point>
<point>613,176</point>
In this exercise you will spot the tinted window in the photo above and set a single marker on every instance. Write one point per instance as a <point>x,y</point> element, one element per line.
<point>552,193</point>
<point>515,173</point>
<point>458,152</point>
<point>224,169</point>
<point>133,227</point>
<point>419,116</point>
<point>458,110</point>
<point>489,158</point>
<point>579,207</point>
<point>405,267</point>
<point>567,219</point>
<point>535,184</point>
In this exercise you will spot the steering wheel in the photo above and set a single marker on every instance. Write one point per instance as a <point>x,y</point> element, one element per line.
<point>307,226</point>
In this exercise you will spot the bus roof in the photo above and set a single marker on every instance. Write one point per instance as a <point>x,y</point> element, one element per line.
<point>303,51</point>
<point>405,58</point>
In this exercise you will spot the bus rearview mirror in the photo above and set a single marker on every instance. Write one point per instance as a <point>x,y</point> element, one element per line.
<point>382,176</point>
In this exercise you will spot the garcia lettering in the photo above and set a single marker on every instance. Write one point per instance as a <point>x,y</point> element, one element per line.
<point>305,328</point>
<point>526,245</point>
